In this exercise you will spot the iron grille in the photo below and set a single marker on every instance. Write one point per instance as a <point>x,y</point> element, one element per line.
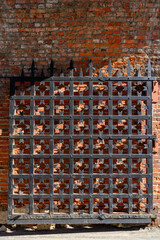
<point>81,149</point>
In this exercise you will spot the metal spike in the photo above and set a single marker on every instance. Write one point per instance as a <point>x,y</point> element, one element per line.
<point>129,69</point>
<point>51,68</point>
<point>119,73</point>
<point>33,68</point>
<point>100,73</point>
<point>81,73</point>
<point>90,67</point>
<point>61,73</point>
<point>22,76</point>
<point>139,72</point>
<point>22,73</point>
<point>71,65</point>
<point>42,73</point>
<point>71,68</point>
<point>149,68</point>
<point>110,69</point>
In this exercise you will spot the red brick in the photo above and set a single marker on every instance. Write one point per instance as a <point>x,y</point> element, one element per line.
<point>62,31</point>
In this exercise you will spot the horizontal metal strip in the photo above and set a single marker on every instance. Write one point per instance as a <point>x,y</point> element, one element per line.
<point>81,156</point>
<point>148,136</point>
<point>138,117</point>
<point>96,175</point>
<point>85,78</point>
<point>82,196</point>
<point>66,216</point>
<point>79,221</point>
<point>80,98</point>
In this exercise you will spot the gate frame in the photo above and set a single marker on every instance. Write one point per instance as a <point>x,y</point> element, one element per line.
<point>85,218</point>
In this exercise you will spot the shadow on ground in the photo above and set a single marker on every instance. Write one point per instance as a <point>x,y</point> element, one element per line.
<point>31,230</point>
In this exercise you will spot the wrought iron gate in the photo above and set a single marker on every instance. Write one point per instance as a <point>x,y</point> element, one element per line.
<point>81,149</point>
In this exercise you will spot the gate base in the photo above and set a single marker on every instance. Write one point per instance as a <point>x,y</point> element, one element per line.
<point>130,219</point>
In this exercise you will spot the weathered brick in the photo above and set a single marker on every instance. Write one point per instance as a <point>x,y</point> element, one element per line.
<point>84,30</point>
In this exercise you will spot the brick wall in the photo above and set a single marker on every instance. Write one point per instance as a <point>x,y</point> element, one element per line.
<point>4,145</point>
<point>80,30</point>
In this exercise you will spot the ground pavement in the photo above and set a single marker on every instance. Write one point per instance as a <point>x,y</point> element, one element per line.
<point>78,233</point>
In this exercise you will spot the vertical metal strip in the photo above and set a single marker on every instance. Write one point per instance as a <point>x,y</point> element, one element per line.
<point>51,159</point>
<point>129,84</point>
<point>31,179</point>
<point>149,148</point>
<point>110,106</point>
<point>31,189</point>
<point>11,112</point>
<point>91,159</point>
<point>71,146</point>
<point>10,186</point>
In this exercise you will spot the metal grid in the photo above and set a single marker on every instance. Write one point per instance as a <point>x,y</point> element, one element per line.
<point>81,149</point>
